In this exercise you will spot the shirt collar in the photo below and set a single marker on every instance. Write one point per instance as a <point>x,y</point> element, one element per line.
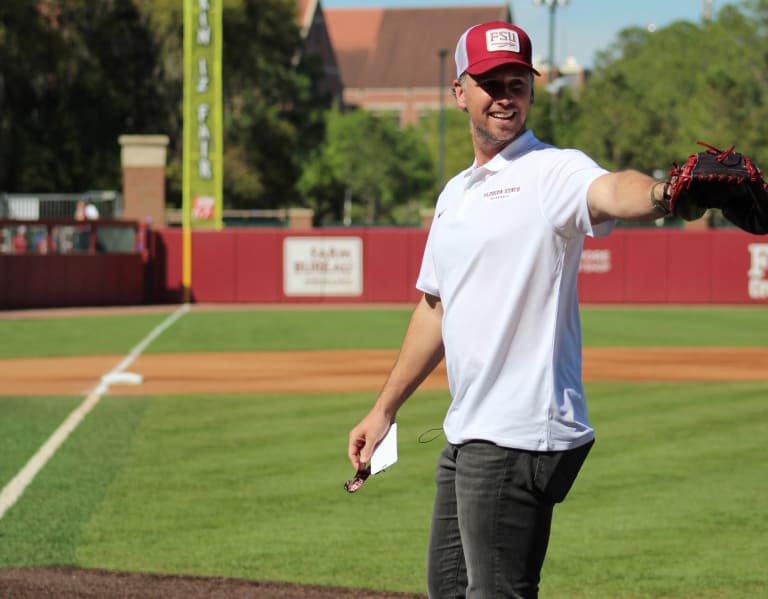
<point>514,149</point>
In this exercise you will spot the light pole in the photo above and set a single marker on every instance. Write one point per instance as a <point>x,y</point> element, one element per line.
<point>442,53</point>
<point>552,5</point>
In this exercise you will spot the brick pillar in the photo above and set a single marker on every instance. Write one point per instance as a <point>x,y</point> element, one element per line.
<point>300,218</point>
<point>143,160</point>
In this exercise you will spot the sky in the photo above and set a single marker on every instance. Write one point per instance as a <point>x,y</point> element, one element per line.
<point>582,27</point>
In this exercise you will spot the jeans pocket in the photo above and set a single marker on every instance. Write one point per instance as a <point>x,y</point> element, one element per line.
<point>556,471</point>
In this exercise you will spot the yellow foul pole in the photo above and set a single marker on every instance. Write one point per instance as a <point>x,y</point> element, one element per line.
<point>202,163</point>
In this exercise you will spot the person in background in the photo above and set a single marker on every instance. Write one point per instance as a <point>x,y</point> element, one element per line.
<point>19,241</point>
<point>42,243</point>
<point>499,284</point>
<point>86,210</point>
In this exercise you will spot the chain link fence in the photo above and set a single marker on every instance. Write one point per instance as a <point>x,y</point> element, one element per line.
<point>40,206</point>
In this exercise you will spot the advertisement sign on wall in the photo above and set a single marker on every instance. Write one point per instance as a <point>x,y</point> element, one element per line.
<point>323,266</point>
<point>597,260</point>
<point>758,270</point>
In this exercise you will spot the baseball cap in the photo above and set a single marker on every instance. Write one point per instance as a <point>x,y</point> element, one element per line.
<point>490,45</point>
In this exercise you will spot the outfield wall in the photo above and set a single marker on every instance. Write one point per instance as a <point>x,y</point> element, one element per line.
<point>34,281</point>
<point>63,262</point>
<point>327,265</point>
<point>357,265</point>
<point>378,265</point>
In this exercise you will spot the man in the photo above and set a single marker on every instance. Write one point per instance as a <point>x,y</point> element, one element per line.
<point>86,210</point>
<point>500,305</point>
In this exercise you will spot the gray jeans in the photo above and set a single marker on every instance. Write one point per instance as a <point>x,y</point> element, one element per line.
<point>492,517</point>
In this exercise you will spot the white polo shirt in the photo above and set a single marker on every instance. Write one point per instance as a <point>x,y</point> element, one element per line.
<point>503,254</point>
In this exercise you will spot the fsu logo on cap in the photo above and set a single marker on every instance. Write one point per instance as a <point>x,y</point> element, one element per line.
<point>502,40</point>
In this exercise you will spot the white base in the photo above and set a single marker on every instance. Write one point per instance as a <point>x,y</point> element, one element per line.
<point>123,378</point>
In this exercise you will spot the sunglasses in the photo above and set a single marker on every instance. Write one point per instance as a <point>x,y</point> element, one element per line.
<point>354,484</point>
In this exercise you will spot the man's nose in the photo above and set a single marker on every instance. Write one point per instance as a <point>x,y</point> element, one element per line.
<point>504,92</point>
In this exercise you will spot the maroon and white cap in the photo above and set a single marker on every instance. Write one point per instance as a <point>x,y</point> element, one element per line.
<point>490,45</point>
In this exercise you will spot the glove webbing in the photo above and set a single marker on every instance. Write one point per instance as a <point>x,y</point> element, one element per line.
<point>686,172</point>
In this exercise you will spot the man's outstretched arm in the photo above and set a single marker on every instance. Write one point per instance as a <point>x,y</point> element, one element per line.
<point>627,195</point>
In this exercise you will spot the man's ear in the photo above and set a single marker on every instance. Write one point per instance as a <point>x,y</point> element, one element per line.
<point>533,96</point>
<point>458,93</point>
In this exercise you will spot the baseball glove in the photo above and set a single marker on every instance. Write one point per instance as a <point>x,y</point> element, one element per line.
<point>727,180</point>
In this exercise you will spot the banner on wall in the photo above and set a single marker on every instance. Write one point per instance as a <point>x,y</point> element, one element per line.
<point>323,266</point>
<point>202,152</point>
<point>758,270</point>
<point>595,261</point>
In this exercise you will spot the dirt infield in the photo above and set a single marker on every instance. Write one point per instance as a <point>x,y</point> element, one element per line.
<point>349,370</point>
<point>75,583</point>
<point>346,370</point>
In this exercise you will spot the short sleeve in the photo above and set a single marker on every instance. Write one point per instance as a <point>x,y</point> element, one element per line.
<point>427,279</point>
<point>564,188</point>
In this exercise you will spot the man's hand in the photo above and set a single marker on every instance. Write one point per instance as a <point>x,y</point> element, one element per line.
<point>365,437</point>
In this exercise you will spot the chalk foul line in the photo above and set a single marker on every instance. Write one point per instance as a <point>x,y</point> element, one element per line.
<point>13,490</point>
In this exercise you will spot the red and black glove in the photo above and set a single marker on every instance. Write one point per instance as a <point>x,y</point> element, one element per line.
<point>727,180</point>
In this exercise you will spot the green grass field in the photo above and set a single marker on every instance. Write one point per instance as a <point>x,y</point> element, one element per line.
<point>670,504</point>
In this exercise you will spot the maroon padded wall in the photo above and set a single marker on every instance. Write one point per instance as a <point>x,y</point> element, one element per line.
<point>629,266</point>
<point>63,280</point>
<point>246,265</point>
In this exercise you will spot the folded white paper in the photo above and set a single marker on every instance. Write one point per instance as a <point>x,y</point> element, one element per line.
<point>386,453</point>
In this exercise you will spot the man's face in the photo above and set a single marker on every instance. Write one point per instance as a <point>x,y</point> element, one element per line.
<point>497,102</point>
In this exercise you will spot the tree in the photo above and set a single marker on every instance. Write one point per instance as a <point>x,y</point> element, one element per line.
<point>75,75</point>
<point>27,59</point>
<point>652,96</point>
<point>384,171</point>
<point>458,142</point>
<point>273,115</point>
